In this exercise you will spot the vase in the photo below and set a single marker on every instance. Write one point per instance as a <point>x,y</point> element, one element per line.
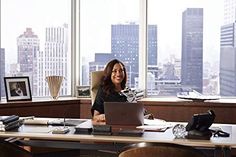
<point>54,84</point>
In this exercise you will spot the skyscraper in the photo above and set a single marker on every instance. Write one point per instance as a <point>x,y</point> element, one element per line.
<point>125,47</point>
<point>228,50</point>
<point>229,11</point>
<point>54,60</point>
<point>192,48</point>
<point>2,72</point>
<point>27,51</point>
<point>27,48</point>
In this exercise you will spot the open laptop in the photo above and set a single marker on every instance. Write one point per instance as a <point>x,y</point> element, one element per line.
<point>124,113</point>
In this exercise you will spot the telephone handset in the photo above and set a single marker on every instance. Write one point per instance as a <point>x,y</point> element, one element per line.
<point>198,126</point>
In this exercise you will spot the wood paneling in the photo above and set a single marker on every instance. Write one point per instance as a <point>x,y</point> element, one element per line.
<point>69,107</point>
<point>173,109</point>
<point>163,108</point>
<point>181,110</point>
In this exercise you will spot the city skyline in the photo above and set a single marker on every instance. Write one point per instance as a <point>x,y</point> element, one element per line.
<point>171,18</point>
<point>93,19</point>
<point>15,18</point>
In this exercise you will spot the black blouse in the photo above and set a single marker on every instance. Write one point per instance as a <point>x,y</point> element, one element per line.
<point>101,97</point>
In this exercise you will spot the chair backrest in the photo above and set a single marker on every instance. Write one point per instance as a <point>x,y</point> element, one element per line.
<point>160,150</point>
<point>9,150</point>
<point>96,77</point>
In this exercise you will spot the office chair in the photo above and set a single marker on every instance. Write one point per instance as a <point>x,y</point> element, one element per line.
<point>9,150</point>
<point>96,77</point>
<point>160,150</point>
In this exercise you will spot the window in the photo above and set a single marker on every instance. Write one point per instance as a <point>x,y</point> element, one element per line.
<point>35,42</point>
<point>187,46</point>
<point>109,29</point>
<point>182,43</point>
<point>186,36</point>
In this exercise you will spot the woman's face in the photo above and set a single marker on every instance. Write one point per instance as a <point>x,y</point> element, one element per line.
<point>117,74</point>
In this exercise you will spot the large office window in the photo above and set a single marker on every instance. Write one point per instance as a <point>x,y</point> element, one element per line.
<point>183,43</point>
<point>35,42</point>
<point>189,43</point>
<point>109,29</point>
<point>184,46</point>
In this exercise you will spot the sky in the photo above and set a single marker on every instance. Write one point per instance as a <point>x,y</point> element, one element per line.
<point>97,17</point>
<point>169,23</point>
<point>17,15</point>
<point>166,14</point>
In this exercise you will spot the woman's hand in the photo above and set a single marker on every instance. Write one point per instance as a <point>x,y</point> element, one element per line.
<point>99,118</point>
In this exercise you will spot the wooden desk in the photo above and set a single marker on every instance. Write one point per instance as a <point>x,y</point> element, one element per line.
<point>79,141</point>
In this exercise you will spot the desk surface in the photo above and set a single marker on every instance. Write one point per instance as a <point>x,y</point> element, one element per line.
<point>43,132</point>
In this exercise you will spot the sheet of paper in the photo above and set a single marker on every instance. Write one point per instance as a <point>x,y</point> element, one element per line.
<point>37,129</point>
<point>155,125</point>
<point>154,121</point>
<point>151,127</point>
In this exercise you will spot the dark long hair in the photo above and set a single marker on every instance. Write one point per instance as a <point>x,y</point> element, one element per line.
<point>108,86</point>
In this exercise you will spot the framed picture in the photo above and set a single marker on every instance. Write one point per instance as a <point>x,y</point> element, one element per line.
<point>83,91</point>
<point>17,88</point>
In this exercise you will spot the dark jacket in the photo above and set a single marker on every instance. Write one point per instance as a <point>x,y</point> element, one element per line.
<point>101,98</point>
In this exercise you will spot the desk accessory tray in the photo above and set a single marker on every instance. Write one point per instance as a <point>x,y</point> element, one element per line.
<point>61,130</point>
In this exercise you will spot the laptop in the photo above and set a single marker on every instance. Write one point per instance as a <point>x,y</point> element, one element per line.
<point>124,117</point>
<point>124,113</point>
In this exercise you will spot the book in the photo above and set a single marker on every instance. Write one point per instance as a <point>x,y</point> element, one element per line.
<point>11,125</point>
<point>8,119</point>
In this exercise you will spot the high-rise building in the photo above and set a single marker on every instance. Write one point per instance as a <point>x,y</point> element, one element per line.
<point>228,60</point>
<point>228,50</point>
<point>27,48</point>
<point>27,51</point>
<point>125,47</point>
<point>54,60</point>
<point>229,11</point>
<point>192,48</point>
<point>2,72</point>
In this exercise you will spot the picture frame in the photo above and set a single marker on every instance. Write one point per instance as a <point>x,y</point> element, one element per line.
<point>83,92</point>
<point>17,88</point>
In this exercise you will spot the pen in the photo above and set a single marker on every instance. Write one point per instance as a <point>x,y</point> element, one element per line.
<point>27,118</point>
<point>64,122</point>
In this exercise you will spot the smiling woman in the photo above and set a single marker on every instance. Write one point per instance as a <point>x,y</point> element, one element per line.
<point>114,81</point>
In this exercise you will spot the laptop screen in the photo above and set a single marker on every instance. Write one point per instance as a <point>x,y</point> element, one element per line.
<point>124,113</point>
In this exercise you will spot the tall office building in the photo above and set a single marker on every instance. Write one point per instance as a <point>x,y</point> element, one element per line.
<point>54,60</point>
<point>228,50</point>
<point>229,11</point>
<point>2,72</point>
<point>125,47</point>
<point>192,48</point>
<point>27,50</point>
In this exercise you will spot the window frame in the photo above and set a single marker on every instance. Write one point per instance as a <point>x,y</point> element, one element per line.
<point>76,47</point>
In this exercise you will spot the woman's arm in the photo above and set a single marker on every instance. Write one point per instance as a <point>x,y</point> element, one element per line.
<point>98,105</point>
<point>98,117</point>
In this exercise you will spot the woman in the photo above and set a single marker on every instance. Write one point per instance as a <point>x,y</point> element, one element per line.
<point>113,82</point>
